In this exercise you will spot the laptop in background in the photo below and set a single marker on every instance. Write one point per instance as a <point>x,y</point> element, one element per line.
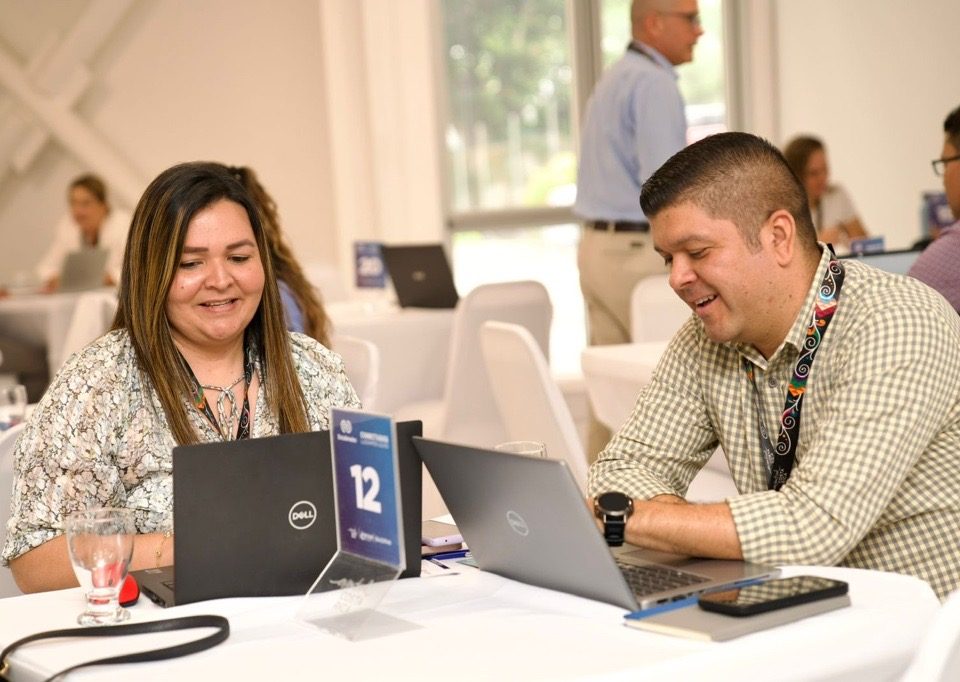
<point>421,276</point>
<point>256,518</point>
<point>83,269</point>
<point>898,262</point>
<point>525,518</point>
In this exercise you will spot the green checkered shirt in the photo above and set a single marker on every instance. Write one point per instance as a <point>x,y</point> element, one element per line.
<point>876,481</point>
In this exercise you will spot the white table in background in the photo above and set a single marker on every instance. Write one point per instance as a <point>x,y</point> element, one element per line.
<point>40,319</point>
<point>476,625</point>
<point>615,374</point>
<point>413,343</point>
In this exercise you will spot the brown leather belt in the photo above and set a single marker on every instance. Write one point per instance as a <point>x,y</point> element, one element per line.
<point>620,226</point>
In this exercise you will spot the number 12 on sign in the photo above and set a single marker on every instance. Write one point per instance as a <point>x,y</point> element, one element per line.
<point>366,501</point>
<point>367,486</point>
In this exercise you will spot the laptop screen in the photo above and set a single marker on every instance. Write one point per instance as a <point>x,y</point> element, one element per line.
<point>256,517</point>
<point>898,262</point>
<point>421,276</point>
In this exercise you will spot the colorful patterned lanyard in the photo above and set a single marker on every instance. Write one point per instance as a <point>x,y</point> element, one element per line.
<point>201,403</point>
<point>779,460</point>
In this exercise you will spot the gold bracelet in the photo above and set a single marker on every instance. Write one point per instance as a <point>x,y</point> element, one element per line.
<point>159,553</point>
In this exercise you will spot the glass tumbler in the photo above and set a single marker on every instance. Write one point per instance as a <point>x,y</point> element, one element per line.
<point>101,546</point>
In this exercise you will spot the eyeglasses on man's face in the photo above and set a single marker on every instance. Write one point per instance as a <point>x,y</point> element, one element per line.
<point>692,18</point>
<point>938,164</point>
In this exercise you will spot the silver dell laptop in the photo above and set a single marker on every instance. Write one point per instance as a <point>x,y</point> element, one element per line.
<point>83,270</point>
<point>525,518</point>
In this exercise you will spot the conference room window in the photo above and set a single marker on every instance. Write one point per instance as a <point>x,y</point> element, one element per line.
<point>515,73</point>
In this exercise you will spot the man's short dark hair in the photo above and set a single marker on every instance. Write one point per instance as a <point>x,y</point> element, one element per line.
<point>951,126</point>
<point>732,176</point>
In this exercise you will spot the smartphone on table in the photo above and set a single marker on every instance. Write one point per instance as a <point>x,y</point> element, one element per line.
<point>771,594</point>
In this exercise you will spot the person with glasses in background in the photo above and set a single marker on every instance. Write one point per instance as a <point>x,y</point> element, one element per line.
<point>635,121</point>
<point>937,266</point>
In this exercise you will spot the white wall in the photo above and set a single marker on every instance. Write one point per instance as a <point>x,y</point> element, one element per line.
<point>379,62</point>
<point>334,102</point>
<point>179,80</point>
<point>874,79</point>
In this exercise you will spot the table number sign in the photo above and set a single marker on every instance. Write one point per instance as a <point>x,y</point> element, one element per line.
<point>367,486</point>
<point>370,554</point>
<point>371,272</point>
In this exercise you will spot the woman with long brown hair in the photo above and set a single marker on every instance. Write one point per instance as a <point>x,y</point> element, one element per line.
<point>832,210</point>
<point>301,303</point>
<point>199,352</point>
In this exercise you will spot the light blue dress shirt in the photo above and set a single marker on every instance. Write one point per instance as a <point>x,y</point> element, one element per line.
<point>635,121</point>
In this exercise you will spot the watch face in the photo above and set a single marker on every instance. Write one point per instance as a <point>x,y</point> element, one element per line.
<point>614,503</point>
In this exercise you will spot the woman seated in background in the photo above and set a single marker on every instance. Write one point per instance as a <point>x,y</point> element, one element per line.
<point>91,224</point>
<point>198,353</point>
<point>833,213</point>
<point>301,303</point>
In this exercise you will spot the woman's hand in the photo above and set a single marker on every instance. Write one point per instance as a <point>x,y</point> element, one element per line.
<point>48,567</point>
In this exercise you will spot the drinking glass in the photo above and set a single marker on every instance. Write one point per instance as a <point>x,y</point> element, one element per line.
<point>13,405</point>
<point>531,448</point>
<point>101,546</point>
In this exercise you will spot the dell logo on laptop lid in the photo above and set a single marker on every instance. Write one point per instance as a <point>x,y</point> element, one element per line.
<point>518,524</point>
<point>302,515</point>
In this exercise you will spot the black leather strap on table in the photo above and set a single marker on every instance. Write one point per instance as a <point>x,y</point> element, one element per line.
<point>620,226</point>
<point>186,623</point>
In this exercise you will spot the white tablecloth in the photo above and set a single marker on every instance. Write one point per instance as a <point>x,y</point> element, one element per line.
<point>476,625</point>
<point>615,374</point>
<point>40,319</point>
<point>413,343</point>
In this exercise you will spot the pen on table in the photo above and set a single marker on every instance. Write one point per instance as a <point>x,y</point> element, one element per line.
<point>438,563</point>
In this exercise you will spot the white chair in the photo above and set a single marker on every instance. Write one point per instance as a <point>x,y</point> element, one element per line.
<point>8,438</point>
<point>529,400</point>
<point>361,359</point>
<point>656,312</point>
<point>467,412</point>
<point>938,657</point>
<point>92,317</point>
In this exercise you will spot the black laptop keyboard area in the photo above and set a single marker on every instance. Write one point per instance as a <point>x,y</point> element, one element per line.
<point>650,579</point>
<point>169,585</point>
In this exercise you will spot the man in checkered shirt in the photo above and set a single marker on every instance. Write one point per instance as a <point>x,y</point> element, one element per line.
<point>875,481</point>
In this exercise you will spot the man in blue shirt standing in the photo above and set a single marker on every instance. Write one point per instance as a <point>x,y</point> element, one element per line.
<point>634,122</point>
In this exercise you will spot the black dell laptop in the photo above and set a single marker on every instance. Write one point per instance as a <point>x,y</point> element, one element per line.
<point>255,518</point>
<point>421,276</point>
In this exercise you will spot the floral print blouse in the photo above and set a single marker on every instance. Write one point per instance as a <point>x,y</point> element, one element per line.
<point>99,437</point>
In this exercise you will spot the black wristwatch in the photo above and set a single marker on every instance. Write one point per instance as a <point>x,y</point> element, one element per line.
<point>613,509</point>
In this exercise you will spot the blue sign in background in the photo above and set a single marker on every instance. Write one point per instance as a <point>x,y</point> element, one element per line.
<point>366,475</point>
<point>371,272</point>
